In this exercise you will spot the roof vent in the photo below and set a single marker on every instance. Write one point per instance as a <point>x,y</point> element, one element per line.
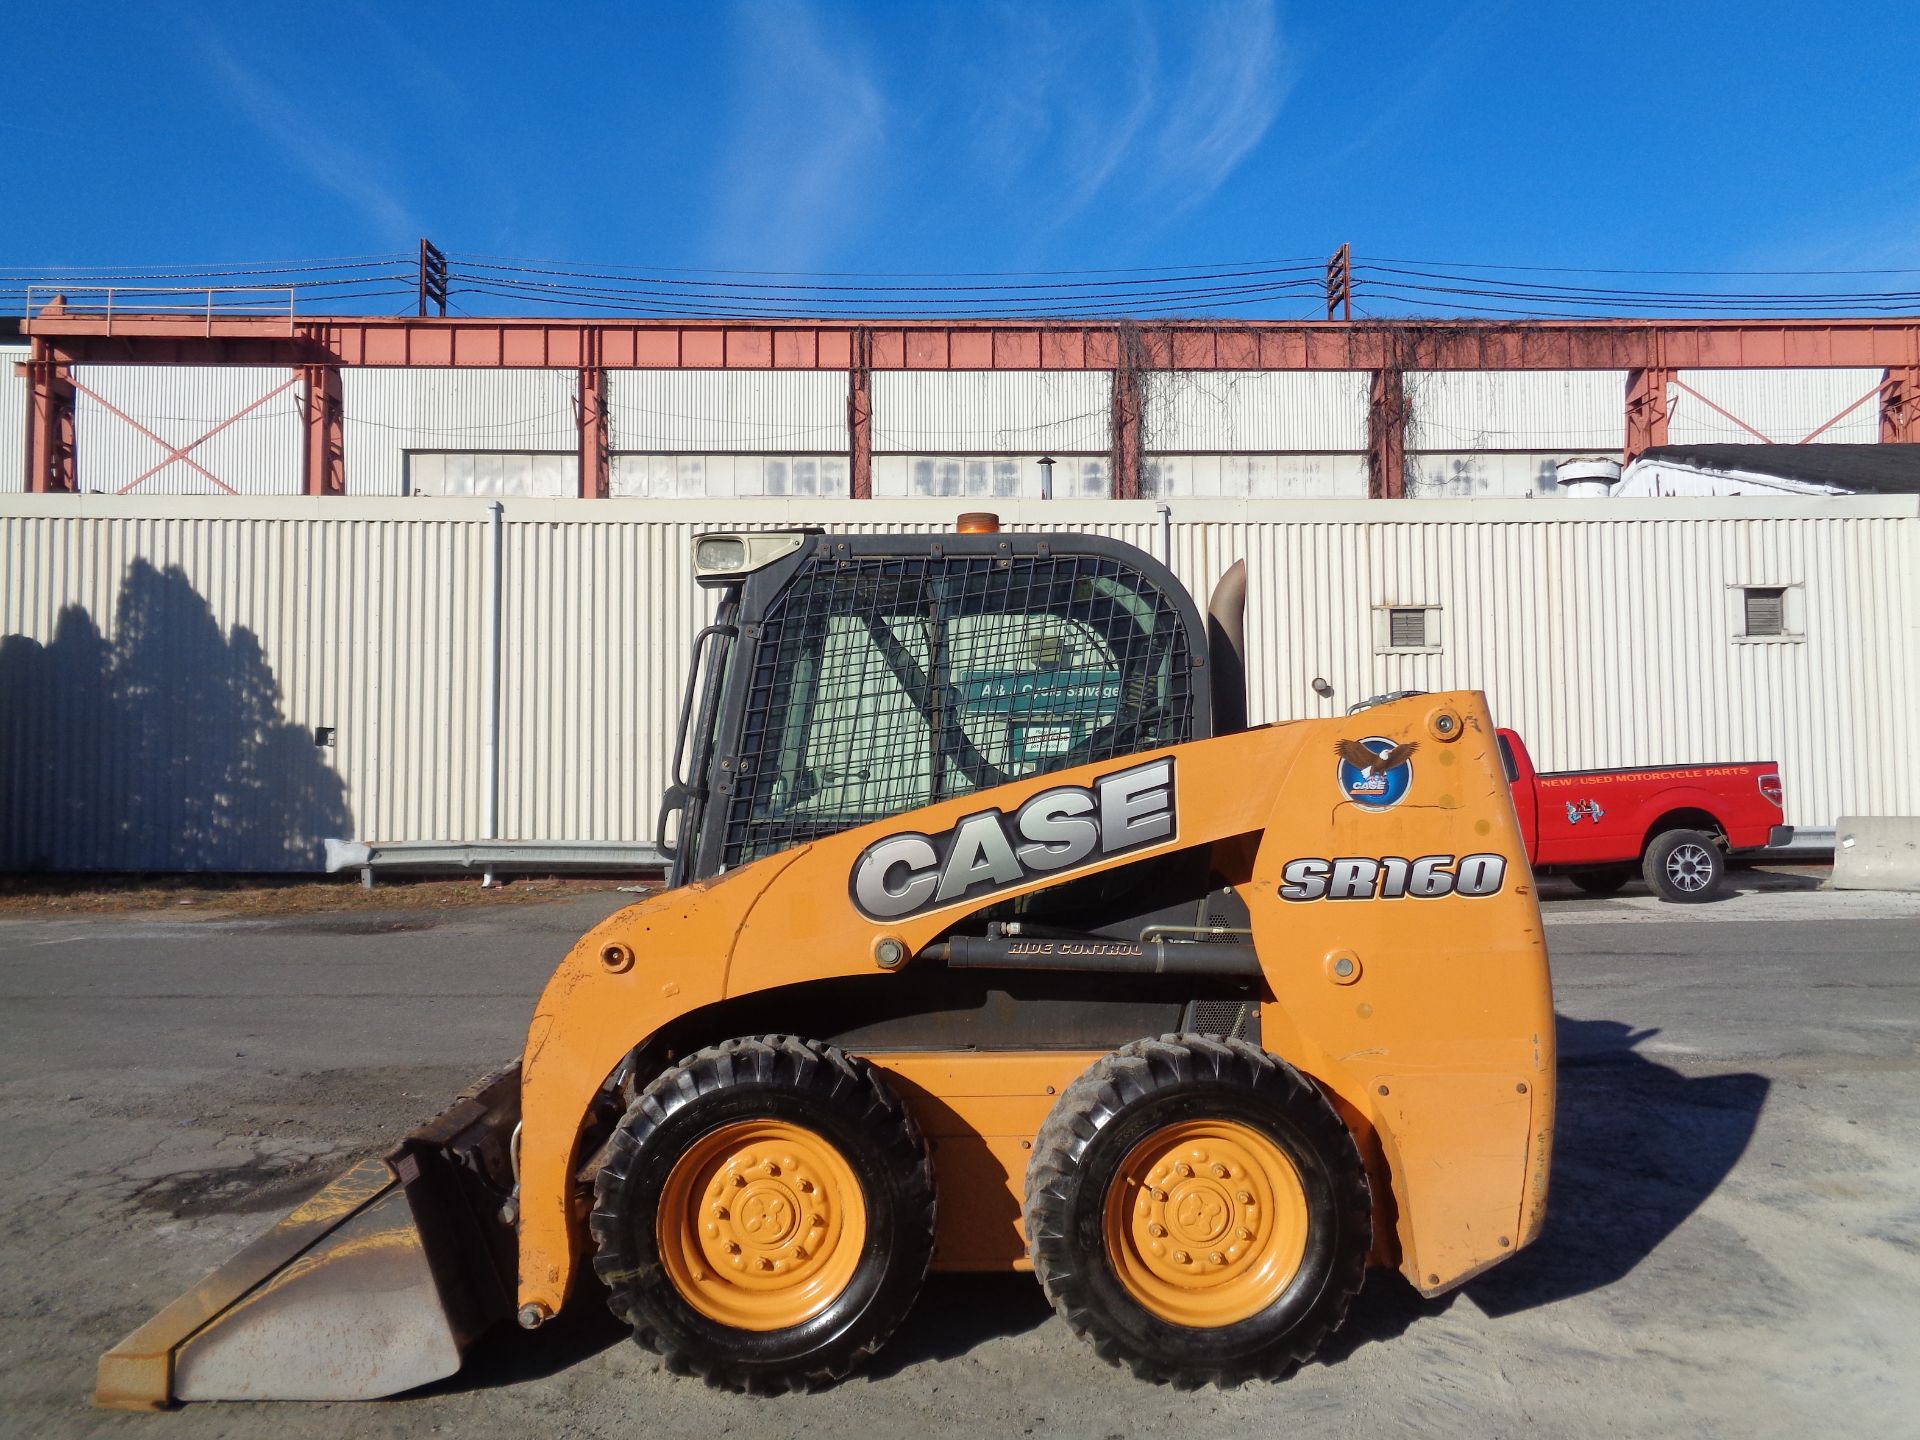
<point>1587,479</point>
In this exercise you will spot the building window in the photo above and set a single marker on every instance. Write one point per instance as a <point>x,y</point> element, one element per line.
<point>1766,609</point>
<point>489,473</point>
<point>997,477</point>
<point>1769,612</point>
<point>1406,629</point>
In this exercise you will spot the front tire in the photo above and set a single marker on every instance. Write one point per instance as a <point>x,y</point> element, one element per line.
<point>764,1214</point>
<point>1198,1211</point>
<point>1687,867</point>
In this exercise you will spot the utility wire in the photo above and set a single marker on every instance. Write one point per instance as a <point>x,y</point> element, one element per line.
<point>1306,260</point>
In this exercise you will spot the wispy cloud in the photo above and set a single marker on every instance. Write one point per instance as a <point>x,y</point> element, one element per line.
<point>806,146</point>
<point>329,163</point>
<point>1139,106</point>
<point>1226,100</point>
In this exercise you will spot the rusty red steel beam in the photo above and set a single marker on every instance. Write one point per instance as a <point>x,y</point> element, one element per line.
<point>537,343</point>
<point>860,418</point>
<point>1900,406</point>
<point>323,448</point>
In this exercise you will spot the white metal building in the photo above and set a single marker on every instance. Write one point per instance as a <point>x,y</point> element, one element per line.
<point>722,434</point>
<point>167,664</point>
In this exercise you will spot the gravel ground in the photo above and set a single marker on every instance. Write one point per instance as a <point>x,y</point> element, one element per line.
<point>1733,1247</point>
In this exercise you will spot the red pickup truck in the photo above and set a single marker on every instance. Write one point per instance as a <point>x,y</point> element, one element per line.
<point>1674,823</point>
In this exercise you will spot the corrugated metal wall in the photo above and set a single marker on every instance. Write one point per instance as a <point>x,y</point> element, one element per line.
<point>988,412</point>
<point>13,419</point>
<point>390,412</point>
<point>163,662</point>
<point>1486,433</point>
<point>1265,434</point>
<point>1482,474</point>
<point>1784,406</point>
<point>1569,411</point>
<point>1276,411</point>
<point>257,454</point>
<point>715,412</point>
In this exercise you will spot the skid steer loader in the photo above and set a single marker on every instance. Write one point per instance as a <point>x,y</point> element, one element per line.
<point>996,940</point>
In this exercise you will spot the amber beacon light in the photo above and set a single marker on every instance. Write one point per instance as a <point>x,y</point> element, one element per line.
<point>979,522</point>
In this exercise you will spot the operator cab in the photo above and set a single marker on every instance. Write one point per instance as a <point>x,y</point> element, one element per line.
<point>847,678</point>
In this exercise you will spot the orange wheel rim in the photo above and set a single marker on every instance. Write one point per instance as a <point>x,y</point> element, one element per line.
<point>1206,1223</point>
<point>761,1225</point>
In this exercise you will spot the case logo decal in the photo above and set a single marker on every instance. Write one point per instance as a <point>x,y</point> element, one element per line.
<point>1062,829</point>
<point>1393,877</point>
<point>1376,773</point>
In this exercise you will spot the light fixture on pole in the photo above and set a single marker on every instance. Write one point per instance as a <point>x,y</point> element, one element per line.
<point>1046,477</point>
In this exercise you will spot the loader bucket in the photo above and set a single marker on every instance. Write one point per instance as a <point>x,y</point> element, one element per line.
<point>373,1286</point>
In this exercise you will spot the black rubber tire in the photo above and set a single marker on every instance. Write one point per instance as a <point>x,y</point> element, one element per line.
<point>804,1082</point>
<point>1711,879</point>
<point>1103,1115</point>
<point>1601,879</point>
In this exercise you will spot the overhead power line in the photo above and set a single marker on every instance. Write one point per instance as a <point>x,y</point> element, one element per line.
<point>1375,288</point>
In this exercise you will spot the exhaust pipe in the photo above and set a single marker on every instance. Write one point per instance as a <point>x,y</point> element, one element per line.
<point>1227,650</point>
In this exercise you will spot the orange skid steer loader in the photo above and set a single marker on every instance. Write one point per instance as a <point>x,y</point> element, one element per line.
<point>997,940</point>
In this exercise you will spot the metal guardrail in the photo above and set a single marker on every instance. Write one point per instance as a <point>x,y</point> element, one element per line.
<point>105,301</point>
<point>490,857</point>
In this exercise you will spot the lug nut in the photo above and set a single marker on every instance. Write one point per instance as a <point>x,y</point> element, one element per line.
<point>1160,1195</point>
<point>1183,1169</point>
<point>1216,1258</point>
<point>1156,1230</point>
<point>719,1212</point>
<point>765,1263</point>
<point>1180,1257</point>
<point>1243,1233</point>
<point>806,1187</point>
<point>733,1247</point>
<point>1219,1172</point>
<point>799,1252</point>
<point>739,1182</point>
<point>1245,1197</point>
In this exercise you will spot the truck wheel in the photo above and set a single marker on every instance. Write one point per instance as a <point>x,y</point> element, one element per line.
<point>1685,866</point>
<point>764,1216</point>
<point>1198,1211</point>
<point>1602,879</point>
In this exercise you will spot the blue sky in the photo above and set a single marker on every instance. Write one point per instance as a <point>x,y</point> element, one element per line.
<point>965,137</point>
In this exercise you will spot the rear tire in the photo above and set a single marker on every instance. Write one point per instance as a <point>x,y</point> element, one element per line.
<point>1687,867</point>
<point>1602,879</point>
<point>764,1216</point>
<point>1198,1211</point>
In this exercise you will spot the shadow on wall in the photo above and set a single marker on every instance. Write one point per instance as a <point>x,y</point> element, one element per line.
<point>164,749</point>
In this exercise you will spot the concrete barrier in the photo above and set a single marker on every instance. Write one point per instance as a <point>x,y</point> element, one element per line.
<point>1877,852</point>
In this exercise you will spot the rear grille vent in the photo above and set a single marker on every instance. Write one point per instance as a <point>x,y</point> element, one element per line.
<point>1228,1019</point>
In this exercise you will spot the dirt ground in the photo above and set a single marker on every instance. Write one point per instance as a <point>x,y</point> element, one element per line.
<point>1733,1243</point>
<point>28,896</point>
